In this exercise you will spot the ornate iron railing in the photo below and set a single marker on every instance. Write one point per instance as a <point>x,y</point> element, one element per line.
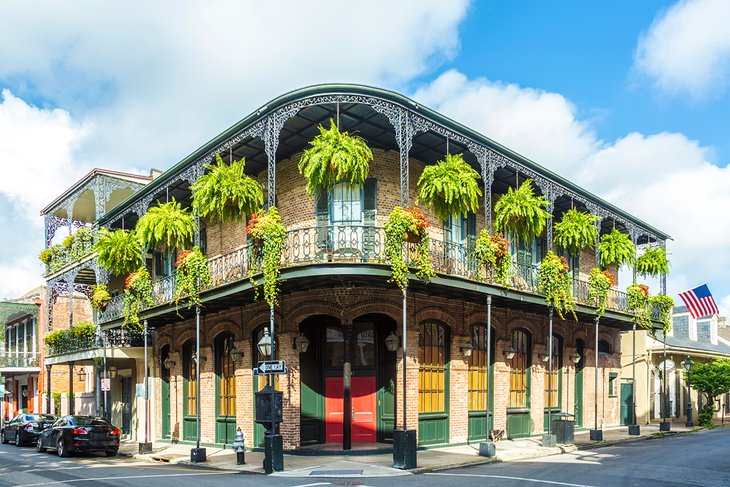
<point>115,338</point>
<point>358,244</point>
<point>18,359</point>
<point>63,256</point>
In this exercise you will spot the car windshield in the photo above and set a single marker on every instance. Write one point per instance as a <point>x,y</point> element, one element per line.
<point>44,418</point>
<point>89,421</point>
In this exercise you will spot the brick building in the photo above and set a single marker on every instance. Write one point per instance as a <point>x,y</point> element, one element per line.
<point>335,294</point>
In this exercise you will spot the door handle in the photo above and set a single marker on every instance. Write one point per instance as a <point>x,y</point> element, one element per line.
<point>353,414</point>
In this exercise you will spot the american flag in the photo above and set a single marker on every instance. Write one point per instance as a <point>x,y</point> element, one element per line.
<point>700,302</point>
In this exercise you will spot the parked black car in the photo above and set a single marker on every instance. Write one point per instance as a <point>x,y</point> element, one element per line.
<point>25,428</point>
<point>80,433</point>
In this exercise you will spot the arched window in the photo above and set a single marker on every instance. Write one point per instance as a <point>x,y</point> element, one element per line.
<point>552,380</point>
<point>190,377</point>
<point>604,348</point>
<point>225,372</point>
<point>519,365</point>
<point>433,357</point>
<point>478,369</point>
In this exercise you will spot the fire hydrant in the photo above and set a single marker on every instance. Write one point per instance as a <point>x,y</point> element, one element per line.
<point>239,445</point>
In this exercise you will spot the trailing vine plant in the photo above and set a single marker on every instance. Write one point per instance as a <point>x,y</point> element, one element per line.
<point>556,284</point>
<point>191,275</point>
<point>137,296</point>
<point>407,224</point>
<point>100,297</point>
<point>225,193</point>
<point>166,226</point>
<point>575,231</point>
<point>450,187</point>
<point>665,305</point>
<point>119,251</point>
<point>599,285</point>
<point>334,157</point>
<point>269,234</point>
<point>616,248</point>
<point>638,304</point>
<point>653,262</point>
<point>492,252</point>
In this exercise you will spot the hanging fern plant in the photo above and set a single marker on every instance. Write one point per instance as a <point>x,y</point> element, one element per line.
<point>100,297</point>
<point>166,226</point>
<point>334,157</point>
<point>225,193</point>
<point>492,252</point>
<point>556,284</point>
<point>407,224</point>
<point>268,232</point>
<point>616,248</point>
<point>599,285</point>
<point>450,187</point>
<point>665,305</point>
<point>137,296</point>
<point>191,275</point>
<point>521,213</point>
<point>119,251</point>
<point>653,262</point>
<point>638,304</point>
<point>576,231</point>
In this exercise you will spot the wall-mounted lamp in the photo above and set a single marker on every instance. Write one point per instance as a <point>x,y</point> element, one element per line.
<point>301,343</point>
<point>391,343</point>
<point>544,357</point>
<point>113,371</point>
<point>195,357</point>
<point>81,374</point>
<point>467,348</point>
<point>509,353</point>
<point>264,345</point>
<point>575,358</point>
<point>235,353</point>
<point>168,364</point>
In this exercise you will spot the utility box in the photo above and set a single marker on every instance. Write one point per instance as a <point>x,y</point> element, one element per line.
<point>263,406</point>
<point>563,427</point>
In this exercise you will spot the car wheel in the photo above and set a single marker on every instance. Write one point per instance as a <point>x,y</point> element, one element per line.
<point>17,439</point>
<point>39,445</point>
<point>111,453</point>
<point>61,448</point>
<point>4,440</point>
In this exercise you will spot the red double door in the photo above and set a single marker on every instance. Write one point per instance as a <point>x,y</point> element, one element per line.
<point>364,426</point>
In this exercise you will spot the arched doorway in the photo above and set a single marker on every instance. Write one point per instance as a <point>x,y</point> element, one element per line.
<point>481,378</point>
<point>165,391</point>
<point>518,405</point>
<point>333,347</point>
<point>225,389</point>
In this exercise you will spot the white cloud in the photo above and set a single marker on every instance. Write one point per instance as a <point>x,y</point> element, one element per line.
<point>19,276</point>
<point>687,48</point>
<point>663,179</point>
<point>36,151</point>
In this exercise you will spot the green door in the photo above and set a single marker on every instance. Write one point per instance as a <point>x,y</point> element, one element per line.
<point>519,423</point>
<point>190,432</point>
<point>481,392</point>
<point>626,403</point>
<point>433,391</point>
<point>225,389</point>
<point>165,400</point>
<point>578,404</point>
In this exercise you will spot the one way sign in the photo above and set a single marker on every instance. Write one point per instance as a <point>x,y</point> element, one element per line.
<point>270,367</point>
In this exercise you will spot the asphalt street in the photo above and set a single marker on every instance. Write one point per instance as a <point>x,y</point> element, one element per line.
<point>699,459</point>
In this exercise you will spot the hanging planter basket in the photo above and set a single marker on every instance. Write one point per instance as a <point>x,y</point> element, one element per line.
<point>520,213</point>
<point>450,187</point>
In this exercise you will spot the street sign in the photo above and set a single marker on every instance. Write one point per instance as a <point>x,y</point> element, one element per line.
<point>106,384</point>
<point>270,367</point>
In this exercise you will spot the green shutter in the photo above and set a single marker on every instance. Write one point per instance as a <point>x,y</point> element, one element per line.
<point>322,217</point>
<point>370,205</point>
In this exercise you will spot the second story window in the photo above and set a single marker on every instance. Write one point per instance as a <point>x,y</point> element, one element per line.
<point>346,204</point>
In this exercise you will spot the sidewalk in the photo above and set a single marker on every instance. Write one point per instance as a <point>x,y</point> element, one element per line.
<point>380,464</point>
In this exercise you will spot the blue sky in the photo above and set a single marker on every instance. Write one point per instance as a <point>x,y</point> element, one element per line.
<point>629,99</point>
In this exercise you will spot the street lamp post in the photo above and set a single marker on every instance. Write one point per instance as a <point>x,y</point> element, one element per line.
<point>634,428</point>
<point>687,364</point>
<point>487,448</point>
<point>404,440</point>
<point>273,446</point>
<point>664,425</point>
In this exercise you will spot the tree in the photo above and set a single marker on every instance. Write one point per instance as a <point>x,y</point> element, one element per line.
<point>712,379</point>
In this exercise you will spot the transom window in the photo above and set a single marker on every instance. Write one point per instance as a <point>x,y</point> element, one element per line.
<point>519,365</point>
<point>432,341</point>
<point>478,369</point>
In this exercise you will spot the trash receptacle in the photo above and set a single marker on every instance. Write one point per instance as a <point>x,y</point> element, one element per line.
<point>563,427</point>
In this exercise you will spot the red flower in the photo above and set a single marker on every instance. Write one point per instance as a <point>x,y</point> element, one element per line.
<point>129,279</point>
<point>565,263</point>
<point>252,223</point>
<point>644,289</point>
<point>182,256</point>
<point>610,277</point>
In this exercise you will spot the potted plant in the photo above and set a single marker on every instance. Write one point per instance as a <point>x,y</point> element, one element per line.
<point>616,248</point>
<point>334,157</point>
<point>653,262</point>
<point>450,187</point>
<point>191,275</point>
<point>137,296</point>
<point>46,255</point>
<point>575,231</point>
<point>225,193</point>
<point>599,285</point>
<point>100,297</point>
<point>492,252</point>
<point>520,213</point>
<point>166,226</point>
<point>665,305</point>
<point>409,224</point>
<point>637,296</point>
<point>556,284</point>
<point>268,232</point>
<point>119,251</point>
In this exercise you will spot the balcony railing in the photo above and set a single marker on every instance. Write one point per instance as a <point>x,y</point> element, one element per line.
<point>116,338</point>
<point>63,256</point>
<point>358,244</point>
<point>18,359</point>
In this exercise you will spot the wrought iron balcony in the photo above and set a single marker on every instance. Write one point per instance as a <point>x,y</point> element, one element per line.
<point>358,244</point>
<point>18,359</point>
<point>63,256</point>
<point>114,338</point>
